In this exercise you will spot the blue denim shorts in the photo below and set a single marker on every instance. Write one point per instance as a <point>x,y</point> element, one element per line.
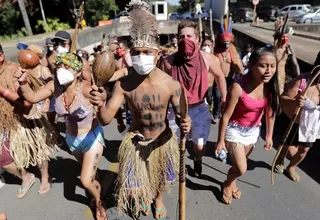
<point>84,143</point>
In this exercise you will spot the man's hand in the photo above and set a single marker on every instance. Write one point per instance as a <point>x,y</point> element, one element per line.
<point>20,74</point>
<point>98,96</point>
<point>186,125</point>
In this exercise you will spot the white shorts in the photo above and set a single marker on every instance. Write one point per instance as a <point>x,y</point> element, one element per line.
<point>242,135</point>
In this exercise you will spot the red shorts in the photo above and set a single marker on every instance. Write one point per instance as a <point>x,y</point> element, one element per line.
<point>5,156</point>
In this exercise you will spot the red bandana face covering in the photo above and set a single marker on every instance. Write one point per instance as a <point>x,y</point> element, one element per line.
<point>187,48</point>
<point>284,40</point>
<point>190,70</point>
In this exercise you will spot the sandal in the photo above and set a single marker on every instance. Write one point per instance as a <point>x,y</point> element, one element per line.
<point>279,169</point>
<point>145,208</point>
<point>237,194</point>
<point>23,191</point>
<point>159,212</point>
<point>45,188</point>
<point>225,195</point>
<point>294,176</point>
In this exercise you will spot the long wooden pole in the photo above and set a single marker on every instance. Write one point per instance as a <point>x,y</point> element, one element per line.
<point>182,170</point>
<point>76,31</point>
<point>254,13</point>
<point>211,25</point>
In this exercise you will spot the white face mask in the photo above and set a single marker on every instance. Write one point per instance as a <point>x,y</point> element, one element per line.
<point>143,64</point>
<point>64,76</point>
<point>206,49</point>
<point>62,49</point>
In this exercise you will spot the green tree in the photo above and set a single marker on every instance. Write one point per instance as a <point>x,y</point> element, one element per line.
<point>98,10</point>
<point>188,5</point>
<point>8,17</point>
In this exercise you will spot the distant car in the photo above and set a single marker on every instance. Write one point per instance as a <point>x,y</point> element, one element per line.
<point>268,13</point>
<point>191,15</point>
<point>174,16</point>
<point>242,15</point>
<point>295,10</point>
<point>313,16</point>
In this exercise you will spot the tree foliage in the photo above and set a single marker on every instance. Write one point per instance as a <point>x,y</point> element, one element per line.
<point>99,10</point>
<point>8,17</point>
<point>186,5</point>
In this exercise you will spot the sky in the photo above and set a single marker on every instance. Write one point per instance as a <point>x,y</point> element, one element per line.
<point>174,2</point>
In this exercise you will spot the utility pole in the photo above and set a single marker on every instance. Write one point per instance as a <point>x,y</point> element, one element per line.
<point>43,15</point>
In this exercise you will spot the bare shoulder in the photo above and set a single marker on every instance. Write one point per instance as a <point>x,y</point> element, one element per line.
<point>235,90</point>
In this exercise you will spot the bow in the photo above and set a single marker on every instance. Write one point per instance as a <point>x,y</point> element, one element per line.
<point>295,115</point>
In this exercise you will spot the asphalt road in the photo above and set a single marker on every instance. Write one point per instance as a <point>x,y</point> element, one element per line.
<point>260,201</point>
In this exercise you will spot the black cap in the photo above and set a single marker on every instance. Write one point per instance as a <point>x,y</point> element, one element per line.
<point>1,50</point>
<point>49,41</point>
<point>61,35</point>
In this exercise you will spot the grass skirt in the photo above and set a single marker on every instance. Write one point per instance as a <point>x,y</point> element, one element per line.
<point>33,141</point>
<point>145,168</point>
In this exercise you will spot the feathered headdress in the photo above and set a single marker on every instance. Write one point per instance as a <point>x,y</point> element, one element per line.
<point>144,26</point>
<point>226,28</point>
<point>278,26</point>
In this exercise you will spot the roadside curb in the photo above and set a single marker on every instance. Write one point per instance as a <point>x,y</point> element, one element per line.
<point>296,33</point>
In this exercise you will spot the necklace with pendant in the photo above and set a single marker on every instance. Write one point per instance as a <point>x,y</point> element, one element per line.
<point>68,107</point>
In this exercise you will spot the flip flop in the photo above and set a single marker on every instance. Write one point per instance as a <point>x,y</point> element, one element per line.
<point>279,169</point>
<point>159,212</point>
<point>145,208</point>
<point>237,194</point>
<point>223,194</point>
<point>44,188</point>
<point>294,176</point>
<point>23,191</point>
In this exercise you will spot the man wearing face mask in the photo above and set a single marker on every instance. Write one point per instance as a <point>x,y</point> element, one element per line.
<point>62,43</point>
<point>190,66</point>
<point>123,55</point>
<point>285,53</point>
<point>148,155</point>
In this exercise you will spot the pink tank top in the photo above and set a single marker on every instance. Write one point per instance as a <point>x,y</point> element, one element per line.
<point>248,111</point>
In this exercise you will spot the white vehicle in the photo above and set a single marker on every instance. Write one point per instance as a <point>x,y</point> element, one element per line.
<point>295,10</point>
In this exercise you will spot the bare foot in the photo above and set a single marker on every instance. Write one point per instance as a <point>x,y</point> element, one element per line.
<point>160,209</point>
<point>226,194</point>
<point>292,174</point>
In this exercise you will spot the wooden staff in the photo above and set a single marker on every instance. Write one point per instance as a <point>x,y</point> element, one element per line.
<point>182,170</point>
<point>211,26</point>
<point>79,18</point>
<point>296,113</point>
<point>200,26</point>
<point>282,31</point>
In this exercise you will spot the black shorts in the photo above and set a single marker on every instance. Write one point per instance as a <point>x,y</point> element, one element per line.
<point>293,137</point>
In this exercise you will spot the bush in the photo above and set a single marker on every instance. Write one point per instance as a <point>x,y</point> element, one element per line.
<point>20,33</point>
<point>53,24</point>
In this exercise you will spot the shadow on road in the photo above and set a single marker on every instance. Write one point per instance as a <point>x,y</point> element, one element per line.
<point>312,158</point>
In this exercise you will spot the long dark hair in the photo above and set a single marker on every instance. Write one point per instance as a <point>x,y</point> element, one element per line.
<point>273,84</point>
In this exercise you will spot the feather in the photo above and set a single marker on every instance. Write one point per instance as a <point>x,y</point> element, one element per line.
<point>221,24</point>
<point>144,26</point>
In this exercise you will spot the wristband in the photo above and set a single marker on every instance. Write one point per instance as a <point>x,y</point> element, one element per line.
<point>268,135</point>
<point>5,93</point>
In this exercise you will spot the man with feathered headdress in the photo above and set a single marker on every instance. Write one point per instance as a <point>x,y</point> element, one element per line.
<point>148,155</point>
<point>284,51</point>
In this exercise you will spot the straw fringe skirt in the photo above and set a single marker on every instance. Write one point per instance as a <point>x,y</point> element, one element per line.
<point>145,168</point>
<point>33,142</point>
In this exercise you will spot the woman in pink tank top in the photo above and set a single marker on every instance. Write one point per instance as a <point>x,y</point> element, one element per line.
<point>239,128</point>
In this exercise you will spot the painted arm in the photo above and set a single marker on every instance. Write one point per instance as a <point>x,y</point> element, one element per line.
<point>108,111</point>
<point>232,100</point>
<point>216,71</point>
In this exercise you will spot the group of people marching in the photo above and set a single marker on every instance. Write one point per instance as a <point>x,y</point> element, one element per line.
<point>150,84</point>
